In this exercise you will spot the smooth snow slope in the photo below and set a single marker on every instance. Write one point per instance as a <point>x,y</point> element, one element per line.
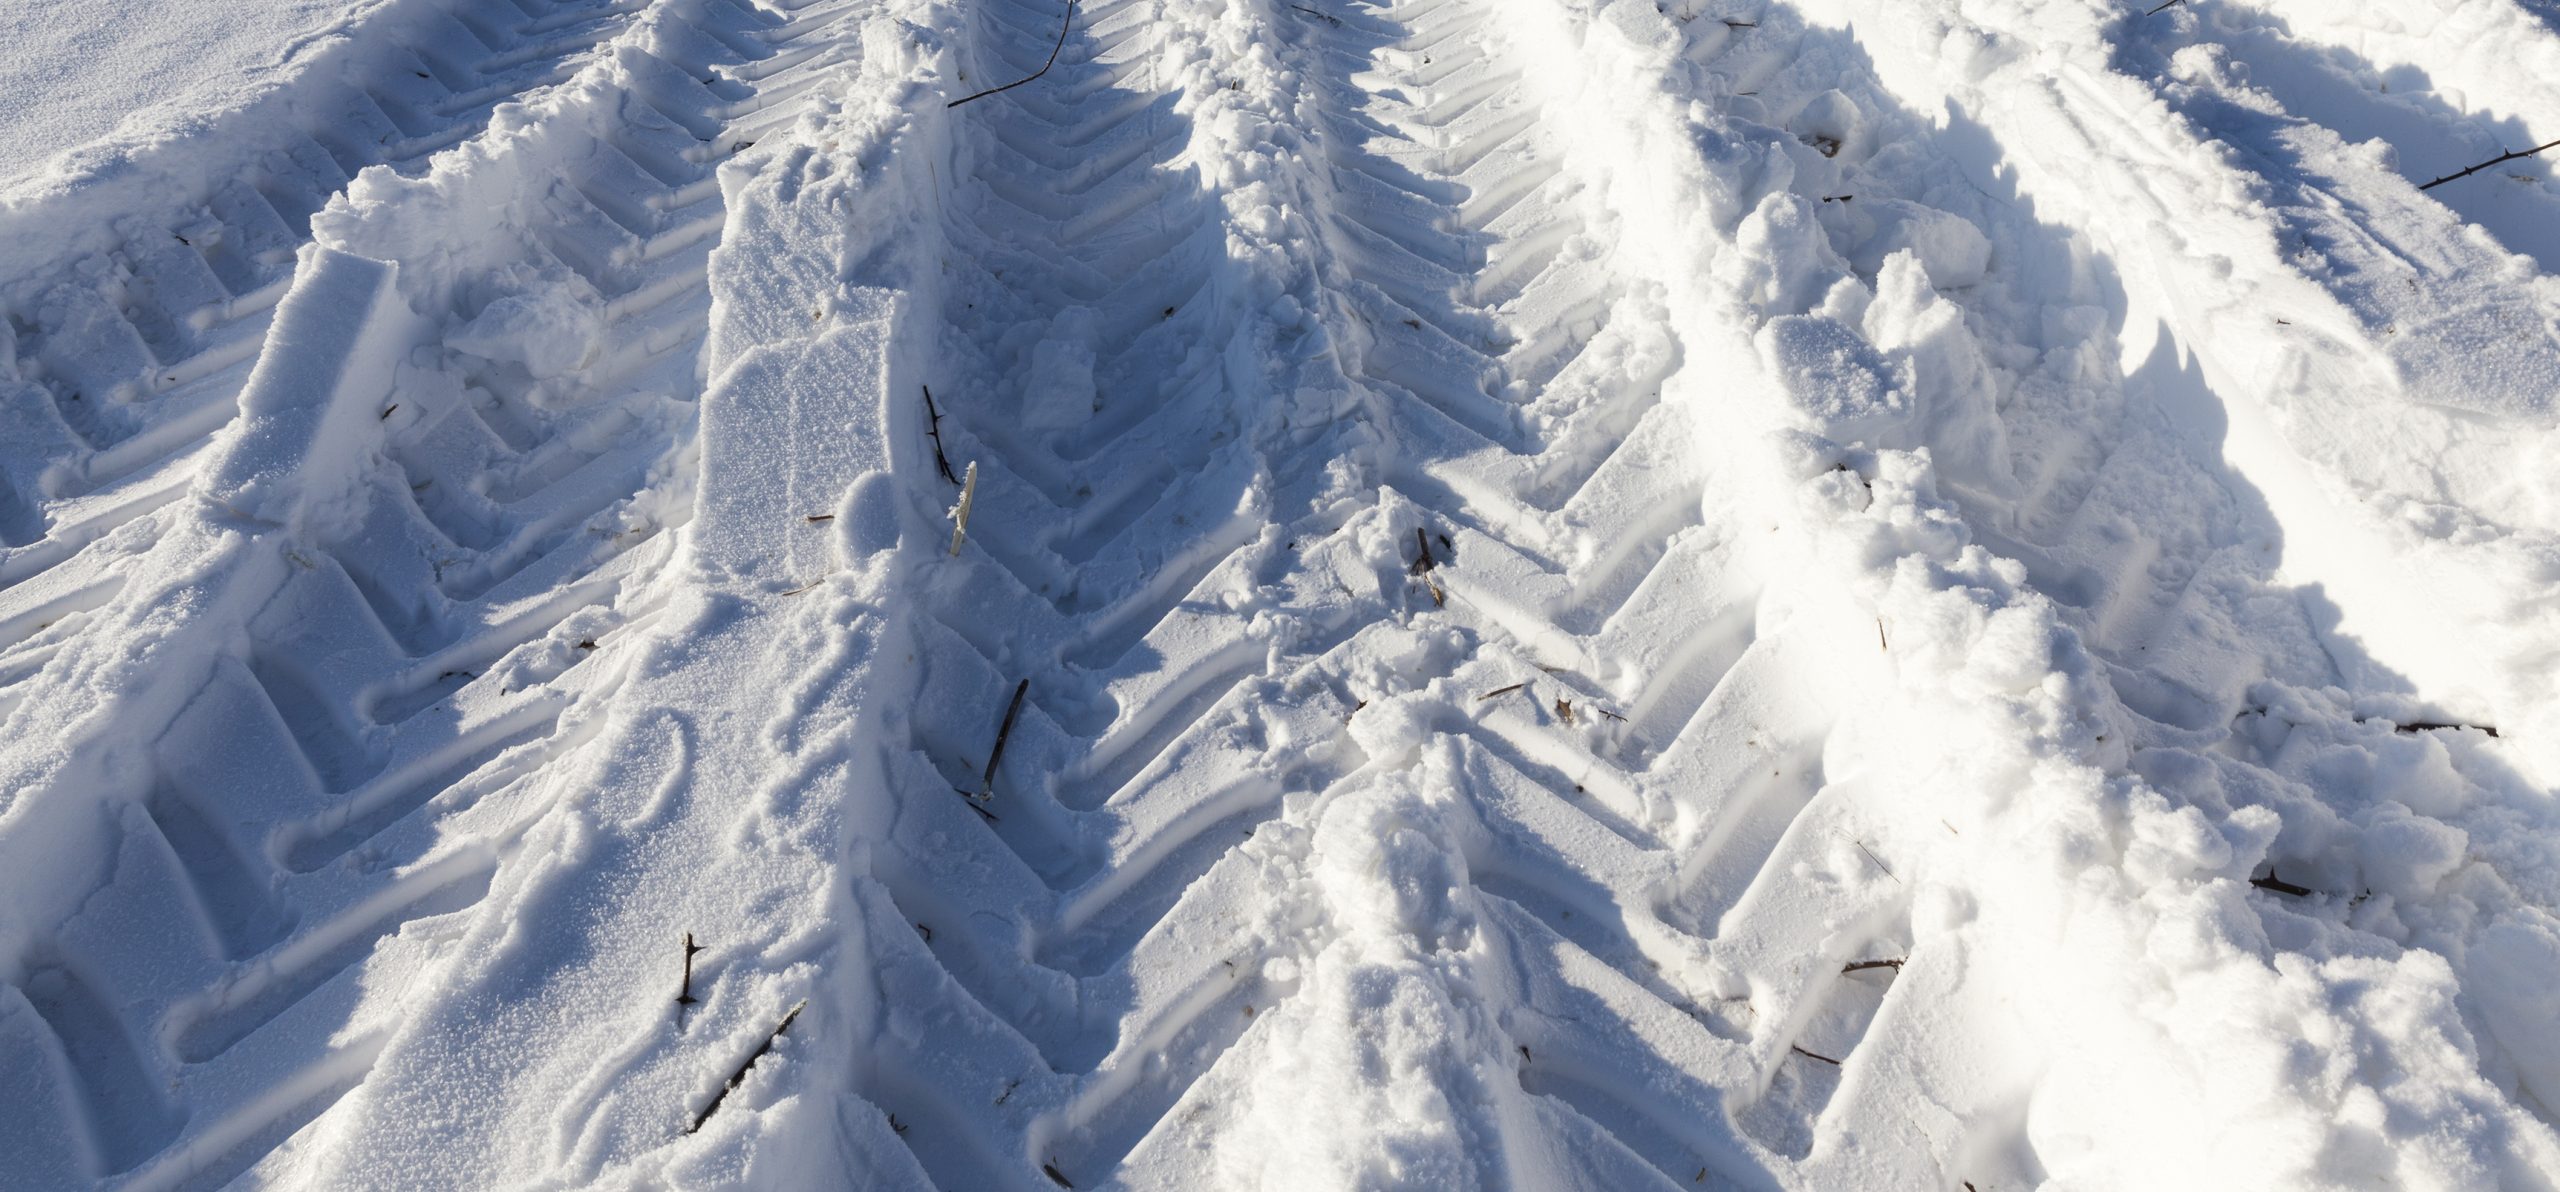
<point>1842,594</point>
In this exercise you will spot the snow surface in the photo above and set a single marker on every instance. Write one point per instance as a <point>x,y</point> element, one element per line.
<point>1573,593</point>
<point>93,79</point>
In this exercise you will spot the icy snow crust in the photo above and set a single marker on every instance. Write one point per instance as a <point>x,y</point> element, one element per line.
<point>1850,594</point>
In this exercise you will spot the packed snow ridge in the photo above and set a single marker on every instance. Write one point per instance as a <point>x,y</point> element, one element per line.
<point>1323,594</point>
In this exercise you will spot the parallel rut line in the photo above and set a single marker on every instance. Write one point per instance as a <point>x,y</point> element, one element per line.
<point>321,793</point>
<point>1469,255</point>
<point>1084,250</point>
<point>1523,392</point>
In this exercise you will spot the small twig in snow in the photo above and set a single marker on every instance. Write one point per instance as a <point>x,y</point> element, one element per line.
<point>1862,847</point>
<point>684,993</point>
<point>1881,643</point>
<point>735,1078</point>
<point>2415,727</point>
<point>1050,1169</point>
<point>1423,562</point>
<point>1863,965</point>
<point>814,518</point>
<point>2491,162</point>
<point>1326,17</point>
<point>1063,25</point>
<point>2279,885</point>
<point>960,512</point>
<point>987,785</point>
<point>1813,1055</point>
<point>935,427</point>
<point>2164,8</point>
<point>1500,691</point>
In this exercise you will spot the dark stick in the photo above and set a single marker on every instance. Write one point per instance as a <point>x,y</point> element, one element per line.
<point>987,785</point>
<point>684,996</point>
<point>2428,726</point>
<point>1862,847</point>
<point>939,459</point>
<point>1063,25</point>
<point>2164,8</point>
<point>1500,691</point>
<point>1423,565</point>
<point>735,1078</point>
<point>2491,162</point>
<point>1813,1055</point>
<point>2279,885</point>
<point>1326,17</point>
<point>1863,965</point>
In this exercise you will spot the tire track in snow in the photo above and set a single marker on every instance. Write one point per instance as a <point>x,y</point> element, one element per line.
<point>1460,212</point>
<point>1087,923</point>
<point>120,366</point>
<point>1517,386</point>
<point>1685,918</point>
<point>2163,554</point>
<point>387,654</point>
<point>1558,798</point>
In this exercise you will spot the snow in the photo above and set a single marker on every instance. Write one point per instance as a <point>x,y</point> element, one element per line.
<point>94,78</point>
<point>1556,593</point>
